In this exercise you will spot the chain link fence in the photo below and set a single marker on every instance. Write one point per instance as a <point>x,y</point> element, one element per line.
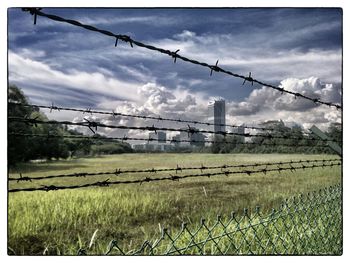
<point>308,224</point>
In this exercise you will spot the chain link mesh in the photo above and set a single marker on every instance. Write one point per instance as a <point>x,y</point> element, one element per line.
<point>309,224</point>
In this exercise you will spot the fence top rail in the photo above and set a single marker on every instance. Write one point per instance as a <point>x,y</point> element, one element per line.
<point>174,55</point>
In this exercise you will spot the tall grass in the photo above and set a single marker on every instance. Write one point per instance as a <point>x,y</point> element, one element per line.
<point>59,222</point>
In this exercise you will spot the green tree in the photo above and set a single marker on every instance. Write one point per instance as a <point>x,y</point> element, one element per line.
<point>18,147</point>
<point>335,132</point>
<point>28,148</point>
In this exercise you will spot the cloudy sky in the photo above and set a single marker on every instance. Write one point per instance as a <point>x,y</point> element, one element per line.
<point>298,49</point>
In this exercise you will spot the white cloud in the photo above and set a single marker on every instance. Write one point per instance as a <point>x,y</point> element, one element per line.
<point>266,98</point>
<point>140,75</point>
<point>32,54</point>
<point>186,34</point>
<point>311,87</point>
<point>266,104</point>
<point>25,70</point>
<point>150,20</point>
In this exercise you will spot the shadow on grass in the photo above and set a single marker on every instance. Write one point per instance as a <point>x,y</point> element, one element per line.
<point>44,167</point>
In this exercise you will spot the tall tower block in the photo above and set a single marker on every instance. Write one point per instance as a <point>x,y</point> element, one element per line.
<point>217,108</point>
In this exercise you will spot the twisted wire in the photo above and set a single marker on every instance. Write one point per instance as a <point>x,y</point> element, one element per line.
<point>114,114</point>
<point>107,183</point>
<point>118,171</point>
<point>93,125</point>
<point>126,138</point>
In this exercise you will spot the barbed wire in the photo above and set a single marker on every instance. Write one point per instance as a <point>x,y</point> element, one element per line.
<point>174,55</point>
<point>107,183</point>
<point>93,125</point>
<point>119,171</point>
<point>114,114</point>
<point>126,138</point>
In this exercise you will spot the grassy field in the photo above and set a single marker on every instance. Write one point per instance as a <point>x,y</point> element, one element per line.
<point>60,222</point>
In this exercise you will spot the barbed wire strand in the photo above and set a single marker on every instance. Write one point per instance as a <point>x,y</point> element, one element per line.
<point>174,55</point>
<point>93,125</point>
<point>107,183</point>
<point>114,114</point>
<point>119,171</point>
<point>126,138</point>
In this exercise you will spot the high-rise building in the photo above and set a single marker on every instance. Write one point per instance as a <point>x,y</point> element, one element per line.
<point>192,139</point>
<point>176,140</point>
<point>152,136</point>
<point>159,137</point>
<point>217,109</point>
<point>198,139</point>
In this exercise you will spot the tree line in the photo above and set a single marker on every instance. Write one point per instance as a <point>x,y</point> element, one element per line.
<point>268,143</point>
<point>23,149</point>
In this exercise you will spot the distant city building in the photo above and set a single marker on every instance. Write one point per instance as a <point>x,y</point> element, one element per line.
<point>139,147</point>
<point>184,138</point>
<point>194,139</point>
<point>156,143</point>
<point>217,109</point>
<point>152,136</point>
<point>176,140</point>
<point>152,147</point>
<point>198,139</point>
<point>239,130</point>
<point>159,137</point>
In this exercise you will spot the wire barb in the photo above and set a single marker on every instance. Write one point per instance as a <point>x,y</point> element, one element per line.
<point>214,68</point>
<point>174,55</point>
<point>203,168</point>
<point>178,168</point>
<point>174,177</point>
<point>92,124</point>
<point>88,110</point>
<point>50,188</point>
<point>116,41</point>
<point>80,174</point>
<point>105,183</point>
<point>53,108</point>
<point>249,79</point>
<point>23,178</point>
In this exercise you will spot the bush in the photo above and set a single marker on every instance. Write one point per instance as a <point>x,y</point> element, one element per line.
<point>110,148</point>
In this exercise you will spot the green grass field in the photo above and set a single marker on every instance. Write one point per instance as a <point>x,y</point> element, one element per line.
<point>60,222</point>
